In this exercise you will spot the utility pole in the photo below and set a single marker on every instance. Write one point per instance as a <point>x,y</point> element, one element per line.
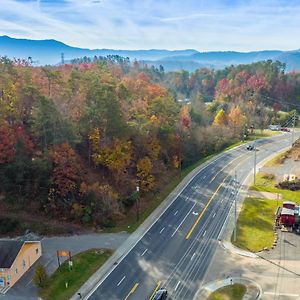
<point>137,202</point>
<point>293,130</point>
<point>254,167</point>
<point>235,213</point>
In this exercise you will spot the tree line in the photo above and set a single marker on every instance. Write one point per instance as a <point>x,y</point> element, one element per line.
<point>77,139</point>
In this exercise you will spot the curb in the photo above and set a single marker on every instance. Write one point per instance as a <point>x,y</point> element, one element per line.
<point>254,290</point>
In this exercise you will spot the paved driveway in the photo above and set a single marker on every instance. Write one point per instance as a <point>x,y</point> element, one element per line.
<point>25,289</point>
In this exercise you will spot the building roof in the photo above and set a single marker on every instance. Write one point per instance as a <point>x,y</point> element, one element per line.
<point>287,211</point>
<point>30,237</point>
<point>289,203</point>
<point>9,250</point>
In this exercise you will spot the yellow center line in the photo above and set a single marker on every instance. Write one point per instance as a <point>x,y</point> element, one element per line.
<point>157,287</point>
<point>207,204</point>
<point>132,291</point>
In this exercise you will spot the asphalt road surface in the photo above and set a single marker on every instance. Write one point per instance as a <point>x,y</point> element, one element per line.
<point>176,250</point>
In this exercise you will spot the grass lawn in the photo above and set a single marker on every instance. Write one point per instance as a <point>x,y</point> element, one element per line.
<point>230,292</point>
<point>264,183</point>
<point>255,224</point>
<point>84,265</point>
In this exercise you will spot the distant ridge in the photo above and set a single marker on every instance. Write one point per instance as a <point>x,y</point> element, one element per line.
<point>49,52</point>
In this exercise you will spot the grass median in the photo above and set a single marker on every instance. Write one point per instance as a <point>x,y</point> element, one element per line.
<point>64,283</point>
<point>255,224</point>
<point>235,291</point>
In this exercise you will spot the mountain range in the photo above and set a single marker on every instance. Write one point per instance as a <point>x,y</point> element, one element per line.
<point>50,52</point>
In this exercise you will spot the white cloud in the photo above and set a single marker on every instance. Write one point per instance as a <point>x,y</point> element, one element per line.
<point>144,24</point>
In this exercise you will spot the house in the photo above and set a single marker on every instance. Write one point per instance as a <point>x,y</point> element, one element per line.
<point>16,257</point>
<point>287,216</point>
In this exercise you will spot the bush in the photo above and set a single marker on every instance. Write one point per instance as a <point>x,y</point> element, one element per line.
<point>40,277</point>
<point>289,185</point>
<point>268,176</point>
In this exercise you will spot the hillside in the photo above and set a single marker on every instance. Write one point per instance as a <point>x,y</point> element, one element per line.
<point>49,52</point>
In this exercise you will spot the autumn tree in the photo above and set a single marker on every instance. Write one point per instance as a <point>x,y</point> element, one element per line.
<point>220,118</point>
<point>146,179</point>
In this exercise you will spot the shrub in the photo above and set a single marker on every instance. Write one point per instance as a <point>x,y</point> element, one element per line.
<point>40,277</point>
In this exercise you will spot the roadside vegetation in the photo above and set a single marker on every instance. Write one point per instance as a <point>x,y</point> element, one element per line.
<point>266,183</point>
<point>230,292</point>
<point>64,283</point>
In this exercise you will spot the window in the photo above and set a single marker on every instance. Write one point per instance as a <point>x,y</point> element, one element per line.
<point>37,251</point>
<point>23,263</point>
<point>16,271</point>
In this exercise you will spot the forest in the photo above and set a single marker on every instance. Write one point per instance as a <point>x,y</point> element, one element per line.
<point>77,139</point>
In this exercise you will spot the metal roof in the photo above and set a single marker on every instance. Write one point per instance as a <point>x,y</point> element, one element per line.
<point>9,250</point>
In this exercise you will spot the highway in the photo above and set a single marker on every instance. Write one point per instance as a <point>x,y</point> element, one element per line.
<point>177,249</point>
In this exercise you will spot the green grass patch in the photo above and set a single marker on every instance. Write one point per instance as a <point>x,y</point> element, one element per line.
<point>265,183</point>
<point>84,265</point>
<point>276,161</point>
<point>255,224</point>
<point>265,133</point>
<point>230,292</point>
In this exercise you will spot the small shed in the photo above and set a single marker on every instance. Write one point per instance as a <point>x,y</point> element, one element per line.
<point>289,204</point>
<point>287,216</point>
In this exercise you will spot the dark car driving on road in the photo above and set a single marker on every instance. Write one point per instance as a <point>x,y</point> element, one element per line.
<point>161,294</point>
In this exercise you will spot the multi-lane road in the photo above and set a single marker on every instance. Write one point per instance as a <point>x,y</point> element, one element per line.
<point>177,249</point>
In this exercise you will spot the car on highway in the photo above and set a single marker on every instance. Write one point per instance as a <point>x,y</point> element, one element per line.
<point>160,294</point>
<point>250,147</point>
<point>275,127</point>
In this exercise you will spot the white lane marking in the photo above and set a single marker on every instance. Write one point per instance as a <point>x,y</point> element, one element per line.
<point>195,213</point>
<point>204,233</point>
<point>121,281</point>
<point>204,176</point>
<point>144,252</point>
<point>193,256</point>
<point>222,200</point>
<point>176,212</point>
<point>177,285</point>
<point>214,215</point>
<point>162,230</point>
<point>281,294</point>
<point>183,220</point>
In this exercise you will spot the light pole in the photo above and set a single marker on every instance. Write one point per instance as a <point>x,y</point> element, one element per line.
<point>293,132</point>
<point>137,202</point>
<point>235,210</point>
<point>254,167</point>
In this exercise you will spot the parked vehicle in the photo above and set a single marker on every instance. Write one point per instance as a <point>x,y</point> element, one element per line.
<point>275,127</point>
<point>285,129</point>
<point>160,294</point>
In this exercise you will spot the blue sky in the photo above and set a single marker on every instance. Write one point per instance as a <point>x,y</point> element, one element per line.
<point>205,25</point>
